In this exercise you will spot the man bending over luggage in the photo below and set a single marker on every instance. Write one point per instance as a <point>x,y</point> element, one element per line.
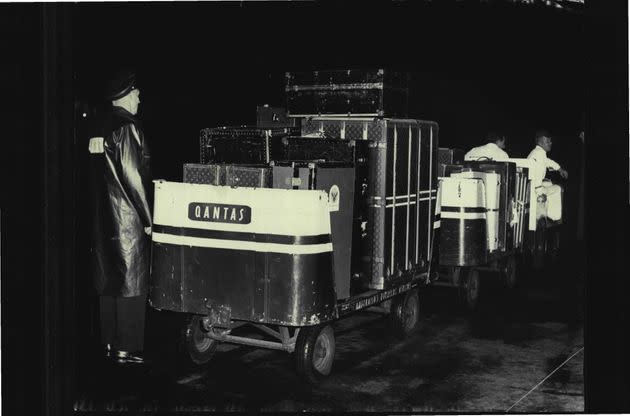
<point>492,150</point>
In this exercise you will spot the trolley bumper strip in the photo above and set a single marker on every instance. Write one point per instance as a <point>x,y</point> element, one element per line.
<point>242,236</point>
<point>244,241</point>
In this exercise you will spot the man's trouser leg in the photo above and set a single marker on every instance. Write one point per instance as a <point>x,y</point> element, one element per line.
<point>107,318</point>
<point>554,201</point>
<point>122,322</point>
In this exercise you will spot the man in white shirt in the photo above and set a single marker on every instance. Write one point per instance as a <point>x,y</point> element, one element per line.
<point>552,193</point>
<point>493,150</point>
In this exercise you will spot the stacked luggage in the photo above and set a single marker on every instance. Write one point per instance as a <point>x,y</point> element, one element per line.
<point>341,139</point>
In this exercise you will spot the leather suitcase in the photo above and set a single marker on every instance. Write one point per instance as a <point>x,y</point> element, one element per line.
<point>331,150</point>
<point>376,93</point>
<point>241,144</point>
<point>296,174</point>
<point>349,128</point>
<point>249,176</point>
<point>203,174</point>
<point>228,175</point>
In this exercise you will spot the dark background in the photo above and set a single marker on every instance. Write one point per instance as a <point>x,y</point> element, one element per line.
<point>477,66</point>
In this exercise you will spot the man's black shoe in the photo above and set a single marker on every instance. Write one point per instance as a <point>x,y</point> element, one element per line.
<point>125,357</point>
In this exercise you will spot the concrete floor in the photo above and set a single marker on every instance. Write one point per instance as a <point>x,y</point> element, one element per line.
<point>457,361</point>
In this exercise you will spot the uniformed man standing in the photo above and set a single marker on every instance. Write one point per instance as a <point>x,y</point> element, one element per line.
<point>122,222</point>
<point>494,149</point>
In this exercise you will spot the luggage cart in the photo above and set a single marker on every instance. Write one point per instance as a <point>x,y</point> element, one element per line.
<point>319,240</point>
<point>487,223</point>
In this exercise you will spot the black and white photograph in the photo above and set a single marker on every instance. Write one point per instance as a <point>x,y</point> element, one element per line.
<point>304,206</point>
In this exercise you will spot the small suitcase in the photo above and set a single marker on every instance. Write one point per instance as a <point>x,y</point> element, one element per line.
<point>203,174</point>
<point>228,175</point>
<point>248,176</point>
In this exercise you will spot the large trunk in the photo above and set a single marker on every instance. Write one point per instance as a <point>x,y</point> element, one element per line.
<point>381,93</point>
<point>402,193</point>
<point>397,195</point>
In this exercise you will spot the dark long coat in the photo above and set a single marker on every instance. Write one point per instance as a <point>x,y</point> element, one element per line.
<point>122,197</point>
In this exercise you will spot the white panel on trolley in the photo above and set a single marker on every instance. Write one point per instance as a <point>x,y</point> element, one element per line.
<point>462,193</point>
<point>271,211</point>
<point>491,181</point>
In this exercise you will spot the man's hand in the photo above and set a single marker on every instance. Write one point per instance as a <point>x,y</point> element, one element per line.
<point>147,230</point>
<point>564,173</point>
<point>96,145</point>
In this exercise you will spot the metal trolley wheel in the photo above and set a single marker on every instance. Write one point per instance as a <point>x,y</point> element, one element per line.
<point>471,288</point>
<point>197,346</point>
<point>405,313</point>
<point>315,352</point>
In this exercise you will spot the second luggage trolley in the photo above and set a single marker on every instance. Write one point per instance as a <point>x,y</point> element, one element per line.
<point>490,219</point>
<point>333,221</point>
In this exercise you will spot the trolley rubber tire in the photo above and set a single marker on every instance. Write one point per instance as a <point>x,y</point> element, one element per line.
<point>405,313</point>
<point>456,274</point>
<point>197,348</point>
<point>510,272</point>
<point>315,352</point>
<point>471,288</point>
